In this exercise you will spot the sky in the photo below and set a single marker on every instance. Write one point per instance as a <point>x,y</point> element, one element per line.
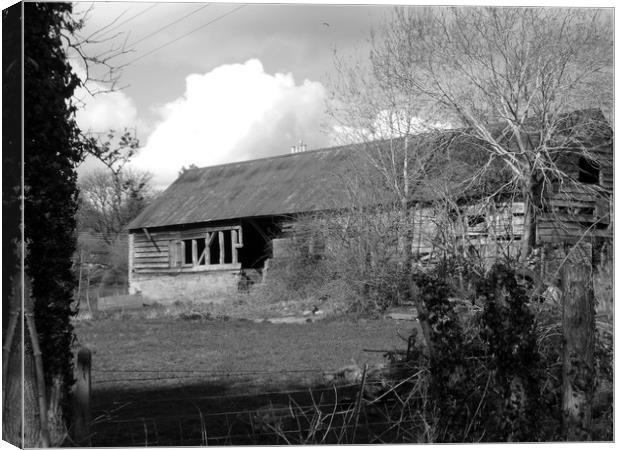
<point>211,83</point>
<point>208,84</point>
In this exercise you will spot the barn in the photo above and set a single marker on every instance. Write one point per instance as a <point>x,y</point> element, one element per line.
<point>217,227</point>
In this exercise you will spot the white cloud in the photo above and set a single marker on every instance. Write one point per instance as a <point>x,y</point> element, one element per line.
<point>385,124</point>
<point>104,110</point>
<point>233,113</point>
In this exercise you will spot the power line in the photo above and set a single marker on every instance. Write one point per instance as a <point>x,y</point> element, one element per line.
<point>168,26</point>
<point>185,35</point>
<point>134,16</point>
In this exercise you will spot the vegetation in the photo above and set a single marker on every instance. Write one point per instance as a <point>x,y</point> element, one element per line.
<point>11,216</point>
<point>225,345</point>
<point>509,80</point>
<point>109,199</point>
<point>488,367</point>
<point>490,361</point>
<point>52,150</point>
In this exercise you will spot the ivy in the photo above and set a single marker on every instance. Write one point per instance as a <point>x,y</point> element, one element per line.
<point>451,380</point>
<point>485,378</point>
<point>52,150</point>
<point>508,331</point>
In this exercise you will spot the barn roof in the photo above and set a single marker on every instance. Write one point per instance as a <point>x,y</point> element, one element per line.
<point>280,185</point>
<point>303,182</point>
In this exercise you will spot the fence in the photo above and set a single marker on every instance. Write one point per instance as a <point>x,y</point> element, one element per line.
<point>206,407</point>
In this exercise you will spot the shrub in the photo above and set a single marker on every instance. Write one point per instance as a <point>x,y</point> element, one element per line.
<point>489,380</point>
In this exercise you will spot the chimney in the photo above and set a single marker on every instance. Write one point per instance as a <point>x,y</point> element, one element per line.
<point>298,148</point>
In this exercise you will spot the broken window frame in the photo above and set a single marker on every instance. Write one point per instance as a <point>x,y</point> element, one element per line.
<point>230,252</point>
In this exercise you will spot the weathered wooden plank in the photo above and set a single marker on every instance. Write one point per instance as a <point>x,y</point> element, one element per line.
<point>183,234</point>
<point>557,238</point>
<point>155,270</point>
<point>160,238</point>
<point>555,225</point>
<point>149,245</point>
<point>571,234</point>
<point>568,203</point>
<point>189,269</point>
<point>145,248</point>
<point>163,259</point>
<point>138,266</point>
<point>579,218</point>
<point>163,238</point>
<point>575,196</point>
<point>147,252</point>
<point>220,235</point>
<point>152,255</point>
<point>233,239</point>
<point>577,188</point>
<point>130,257</point>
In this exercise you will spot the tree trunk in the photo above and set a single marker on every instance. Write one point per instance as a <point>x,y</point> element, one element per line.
<point>20,383</point>
<point>414,293</point>
<point>578,352</point>
<point>531,199</point>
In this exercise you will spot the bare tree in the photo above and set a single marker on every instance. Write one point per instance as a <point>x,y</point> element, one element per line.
<point>110,200</point>
<point>509,76</point>
<point>98,51</point>
<point>529,87</point>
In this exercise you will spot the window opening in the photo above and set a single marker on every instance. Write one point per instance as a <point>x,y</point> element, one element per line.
<point>588,171</point>
<point>472,221</point>
<point>228,245</point>
<point>187,254</point>
<point>214,250</point>
<point>200,248</point>
<point>218,247</point>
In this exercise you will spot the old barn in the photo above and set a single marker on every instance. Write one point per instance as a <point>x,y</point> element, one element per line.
<point>215,227</point>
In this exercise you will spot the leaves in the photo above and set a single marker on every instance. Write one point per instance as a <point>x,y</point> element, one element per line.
<point>52,149</point>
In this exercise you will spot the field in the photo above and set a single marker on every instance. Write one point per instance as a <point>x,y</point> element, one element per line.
<point>157,381</point>
<point>236,345</point>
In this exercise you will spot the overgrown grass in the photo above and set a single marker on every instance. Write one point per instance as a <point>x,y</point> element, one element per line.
<point>235,345</point>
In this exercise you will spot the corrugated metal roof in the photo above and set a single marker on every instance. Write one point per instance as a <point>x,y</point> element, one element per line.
<point>280,185</point>
<point>296,183</point>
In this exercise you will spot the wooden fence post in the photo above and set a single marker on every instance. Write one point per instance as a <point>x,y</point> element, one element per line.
<point>578,353</point>
<point>82,398</point>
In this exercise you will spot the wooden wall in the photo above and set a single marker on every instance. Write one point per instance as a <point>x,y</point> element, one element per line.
<point>152,251</point>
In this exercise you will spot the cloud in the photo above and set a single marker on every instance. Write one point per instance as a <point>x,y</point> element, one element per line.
<point>385,124</point>
<point>104,110</point>
<point>234,112</point>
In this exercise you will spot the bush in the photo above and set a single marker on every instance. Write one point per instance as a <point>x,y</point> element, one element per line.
<point>495,377</point>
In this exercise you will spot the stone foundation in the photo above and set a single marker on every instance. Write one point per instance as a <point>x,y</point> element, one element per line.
<point>209,286</point>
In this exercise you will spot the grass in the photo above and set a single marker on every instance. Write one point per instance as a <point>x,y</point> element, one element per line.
<point>170,411</point>
<point>173,344</point>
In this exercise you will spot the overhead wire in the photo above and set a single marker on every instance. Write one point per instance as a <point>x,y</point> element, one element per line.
<point>159,30</point>
<point>183,36</point>
<point>144,11</point>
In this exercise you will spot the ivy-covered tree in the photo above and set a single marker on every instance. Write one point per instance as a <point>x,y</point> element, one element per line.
<point>52,149</point>
<point>11,220</point>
